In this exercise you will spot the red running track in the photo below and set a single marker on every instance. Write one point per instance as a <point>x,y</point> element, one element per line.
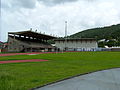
<point>18,61</point>
<point>11,54</point>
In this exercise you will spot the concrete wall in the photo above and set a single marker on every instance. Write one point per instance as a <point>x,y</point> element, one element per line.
<point>76,44</point>
<point>115,49</point>
<point>15,45</point>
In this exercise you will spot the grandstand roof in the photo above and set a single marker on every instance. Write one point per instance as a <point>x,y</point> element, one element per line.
<point>33,34</point>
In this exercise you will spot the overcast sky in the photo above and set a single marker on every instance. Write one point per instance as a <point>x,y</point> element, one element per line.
<point>49,16</point>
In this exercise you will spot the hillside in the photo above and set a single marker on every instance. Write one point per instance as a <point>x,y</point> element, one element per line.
<point>107,33</point>
<point>110,32</point>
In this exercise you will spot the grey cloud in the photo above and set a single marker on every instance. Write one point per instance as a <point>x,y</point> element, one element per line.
<point>17,4</point>
<point>54,2</point>
<point>80,15</point>
<point>25,3</point>
<point>5,4</point>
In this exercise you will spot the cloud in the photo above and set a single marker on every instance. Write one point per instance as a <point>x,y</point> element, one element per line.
<point>18,4</point>
<point>55,2</point>
<point>80,14</point>
<point>25,3</point>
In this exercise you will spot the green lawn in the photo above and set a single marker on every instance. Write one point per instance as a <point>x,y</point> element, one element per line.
<point>24,76</point>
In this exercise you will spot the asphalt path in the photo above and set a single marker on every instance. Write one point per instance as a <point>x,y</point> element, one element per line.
<point>101,80</point>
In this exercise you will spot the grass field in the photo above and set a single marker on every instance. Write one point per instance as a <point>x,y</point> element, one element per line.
<point>24,76</point>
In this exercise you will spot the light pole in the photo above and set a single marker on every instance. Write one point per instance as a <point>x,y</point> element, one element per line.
<point>65,35</point>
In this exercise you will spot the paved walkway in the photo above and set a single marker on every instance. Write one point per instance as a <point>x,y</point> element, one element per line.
<point>101,80</point>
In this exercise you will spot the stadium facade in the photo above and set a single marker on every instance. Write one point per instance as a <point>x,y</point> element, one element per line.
<point>81,44</point>
<point>29,41</point>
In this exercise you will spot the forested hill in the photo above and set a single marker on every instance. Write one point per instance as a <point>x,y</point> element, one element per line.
<point>110,32</point>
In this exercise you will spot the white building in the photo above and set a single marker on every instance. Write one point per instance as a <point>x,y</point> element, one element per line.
<point>82,44</point>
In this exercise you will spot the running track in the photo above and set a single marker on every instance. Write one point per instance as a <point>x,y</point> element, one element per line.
<point>18,61</point>
<point>12,54</point>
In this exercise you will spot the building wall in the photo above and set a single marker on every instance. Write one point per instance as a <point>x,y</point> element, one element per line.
<point>76,44</point>
<point>115,49</point>
<point>15,45</point>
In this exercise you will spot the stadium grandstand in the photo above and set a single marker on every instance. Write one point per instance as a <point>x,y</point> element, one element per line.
<point>1,46</point>
<point>29,41</point>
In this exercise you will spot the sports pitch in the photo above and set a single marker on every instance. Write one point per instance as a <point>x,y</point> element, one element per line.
<point>27,75</point>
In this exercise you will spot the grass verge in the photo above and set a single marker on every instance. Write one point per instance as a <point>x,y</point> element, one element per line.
<point>24,76</point>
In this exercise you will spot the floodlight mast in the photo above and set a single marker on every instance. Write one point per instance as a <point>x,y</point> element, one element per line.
<point>65,35</point>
